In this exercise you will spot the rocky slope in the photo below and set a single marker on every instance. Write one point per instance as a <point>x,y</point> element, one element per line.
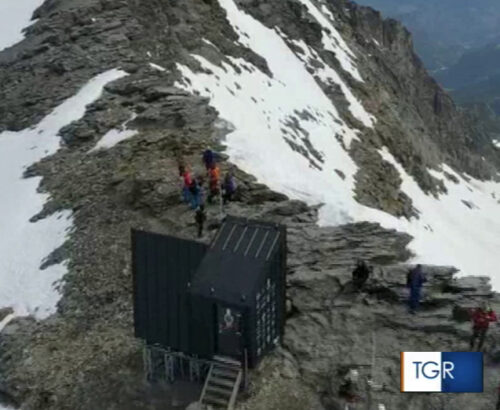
<point>85,357</point>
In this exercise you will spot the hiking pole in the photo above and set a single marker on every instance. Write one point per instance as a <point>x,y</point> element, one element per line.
<point>221,202</point>
<point>374,348</point>
<point>371,383</point>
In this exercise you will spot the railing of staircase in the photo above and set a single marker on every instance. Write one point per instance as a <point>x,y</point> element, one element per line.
<point>245,369</point>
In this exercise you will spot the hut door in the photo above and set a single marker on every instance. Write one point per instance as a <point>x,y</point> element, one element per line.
<point>229,336</point>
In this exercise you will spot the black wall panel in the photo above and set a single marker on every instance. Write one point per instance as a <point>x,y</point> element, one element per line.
<point>202,326</point>
<point>162,268</point>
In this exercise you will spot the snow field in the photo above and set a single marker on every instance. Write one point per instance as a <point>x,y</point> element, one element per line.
<point>23,244</point>
<point>329,76</point>
<point>448,231</point>
<point>14,17</point>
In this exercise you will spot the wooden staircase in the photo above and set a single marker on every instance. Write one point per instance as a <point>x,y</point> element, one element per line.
<point>222,384</point>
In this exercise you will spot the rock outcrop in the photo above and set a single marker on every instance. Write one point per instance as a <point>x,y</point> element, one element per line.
<point>333,329</point>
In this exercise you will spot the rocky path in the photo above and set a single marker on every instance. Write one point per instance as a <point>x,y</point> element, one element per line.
<point>332,328</point>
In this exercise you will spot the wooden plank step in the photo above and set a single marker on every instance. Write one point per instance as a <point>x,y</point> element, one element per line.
<point>221,382</point>
<point>227,360</point>
<point>225,372</point>
<point>220,390</point>
<point>209,399</point>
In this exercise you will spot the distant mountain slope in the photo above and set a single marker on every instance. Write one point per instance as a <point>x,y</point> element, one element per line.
<point>474,67</point>
<point>444,29</point>
<point>475,78</point>
<point>458,41</point>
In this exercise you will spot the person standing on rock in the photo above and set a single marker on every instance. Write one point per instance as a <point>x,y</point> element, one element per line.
<point>414,281</point>
<point>360,274</point>
<point>186,182</point>
<point>228,187</point>
<point>481,319</point>
<point>213,182</point>
<point>200,217</point>
<point>349,390</point>
<point>195,191</point>
<point>208,158</point>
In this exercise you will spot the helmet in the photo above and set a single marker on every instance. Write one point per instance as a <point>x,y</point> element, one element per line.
<point>353,375</point>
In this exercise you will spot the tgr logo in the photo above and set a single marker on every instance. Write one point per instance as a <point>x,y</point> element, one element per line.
<point>432,370</point>
<point>442,372</point>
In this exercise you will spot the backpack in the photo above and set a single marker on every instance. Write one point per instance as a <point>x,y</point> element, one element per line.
<point>229,184</point>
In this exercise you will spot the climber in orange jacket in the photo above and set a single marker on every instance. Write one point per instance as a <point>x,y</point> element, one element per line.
<point>213,182</point>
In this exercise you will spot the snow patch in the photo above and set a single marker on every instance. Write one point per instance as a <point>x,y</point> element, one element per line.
<point>23,285</point>
<point>210,43</point>
<point>467,237</point>
<point>496,143</point>
<point>14,17</point>
<point>157,67</point>
<point>329,76</point>
<point>327,12</point>
<point>333,41</point>
<point>114,136</point>
<point>4,322</point>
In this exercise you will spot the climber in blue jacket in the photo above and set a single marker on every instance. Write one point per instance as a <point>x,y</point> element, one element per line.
<point>208,158</point>
<point>415,280</point>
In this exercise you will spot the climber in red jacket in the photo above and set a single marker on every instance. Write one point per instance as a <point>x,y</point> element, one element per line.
<point>187,180</point>
<point>481,319</point>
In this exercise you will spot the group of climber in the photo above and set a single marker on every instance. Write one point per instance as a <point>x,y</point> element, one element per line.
<point>193,190</point>
<point>415,279</point>
<point>481,317</point>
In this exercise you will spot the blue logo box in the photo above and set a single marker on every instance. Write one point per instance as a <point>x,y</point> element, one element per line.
<point>467,373</point>
<point>446,372</point>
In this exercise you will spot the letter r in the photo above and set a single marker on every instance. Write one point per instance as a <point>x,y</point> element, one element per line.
<point>447,369</point>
